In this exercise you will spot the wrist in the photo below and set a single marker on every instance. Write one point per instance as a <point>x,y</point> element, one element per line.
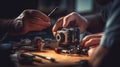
<point>17,25</point>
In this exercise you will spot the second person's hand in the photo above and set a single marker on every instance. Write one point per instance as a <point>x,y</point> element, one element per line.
<point>91,40</point>
<point>31,20</point>
<point>72,18</point>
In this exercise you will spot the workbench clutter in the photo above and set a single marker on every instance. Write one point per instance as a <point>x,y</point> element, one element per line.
<point>28,44</point>
<point>41,51</point>
<point>45,52</point>
<point>66,42</point>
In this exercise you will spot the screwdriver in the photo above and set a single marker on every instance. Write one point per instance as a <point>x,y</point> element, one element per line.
<point>44,57</point>
<point>52,11</point>
<point>47,15</point>
<point>27,58</point>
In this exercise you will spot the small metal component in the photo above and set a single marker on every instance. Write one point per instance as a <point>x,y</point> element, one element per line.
<point>60,50</point>
<point>67,37</point>
<point>73,50</point>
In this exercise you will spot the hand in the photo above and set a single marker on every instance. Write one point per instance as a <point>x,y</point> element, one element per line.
<point>32,20</point>
<point>92,50</point>
<point>72,18</point>
<point>91,41</point>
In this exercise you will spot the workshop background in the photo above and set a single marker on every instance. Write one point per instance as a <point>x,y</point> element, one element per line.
<point>10,9</point>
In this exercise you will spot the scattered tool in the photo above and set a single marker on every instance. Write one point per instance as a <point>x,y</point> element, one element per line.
<point>29,58</point>
<point>74,50</point>
<point>52,11</point>
<point>44,57</point>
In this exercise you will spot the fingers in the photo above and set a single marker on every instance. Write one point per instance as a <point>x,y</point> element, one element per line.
<point>91,40</point>
<point>75,19</point>
<point>70,19</point>
<point>36,14</point>
<point>33,20</point>
<point>35,17</point>
<point>64,22</point>
<point>57,25</point>
<point>67,19</point>
<point>36,22</point>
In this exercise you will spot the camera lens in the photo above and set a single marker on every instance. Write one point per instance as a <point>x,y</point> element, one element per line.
<point>60,37</point>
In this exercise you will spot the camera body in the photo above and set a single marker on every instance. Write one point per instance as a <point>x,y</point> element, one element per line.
<point>67,37</point>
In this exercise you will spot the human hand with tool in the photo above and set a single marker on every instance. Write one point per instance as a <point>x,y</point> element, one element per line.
<point>31,20</point>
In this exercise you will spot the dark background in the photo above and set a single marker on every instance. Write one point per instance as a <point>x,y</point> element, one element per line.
<point>12,8</point>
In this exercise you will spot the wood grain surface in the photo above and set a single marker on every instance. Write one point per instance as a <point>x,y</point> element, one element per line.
<point>62,60</point>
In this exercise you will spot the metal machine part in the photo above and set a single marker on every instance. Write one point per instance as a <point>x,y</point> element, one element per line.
<point>74,50</point>
<point>68,36</point>
<point>68,41</point>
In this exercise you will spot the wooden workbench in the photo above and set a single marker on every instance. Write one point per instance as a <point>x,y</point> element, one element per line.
<point>62,60</point>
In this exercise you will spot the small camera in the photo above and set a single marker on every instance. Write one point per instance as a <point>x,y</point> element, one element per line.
<point>68,41</point>
<point>67,37</point>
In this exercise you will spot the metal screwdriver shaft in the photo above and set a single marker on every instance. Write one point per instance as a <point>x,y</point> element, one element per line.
<point>52,11</point>
<point>48,15</point>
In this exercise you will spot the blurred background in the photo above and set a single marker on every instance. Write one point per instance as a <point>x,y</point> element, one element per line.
<point>10,9</point>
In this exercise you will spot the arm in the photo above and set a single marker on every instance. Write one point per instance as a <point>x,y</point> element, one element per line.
<point>95,26</point>
<point>8,25</point>
<point>28,20</point>
<point>107,53</point>
<point>95,23</point>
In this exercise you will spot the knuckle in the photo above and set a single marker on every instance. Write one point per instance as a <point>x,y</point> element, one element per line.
<point>27,10</point>
<point>60,19</point>
<point>87,37</point>
<point>73,13</point>
<point>91,40</point>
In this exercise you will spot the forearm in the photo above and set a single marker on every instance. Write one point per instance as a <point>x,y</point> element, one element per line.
<point>95,23</point>
<point>9,25</point>
<point>98,57</point>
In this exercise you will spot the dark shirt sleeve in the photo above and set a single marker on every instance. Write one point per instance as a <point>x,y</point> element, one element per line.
<point>112,29</point>
<point>10,25</point>
<point>111,37</point>
<point>111,41</point>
